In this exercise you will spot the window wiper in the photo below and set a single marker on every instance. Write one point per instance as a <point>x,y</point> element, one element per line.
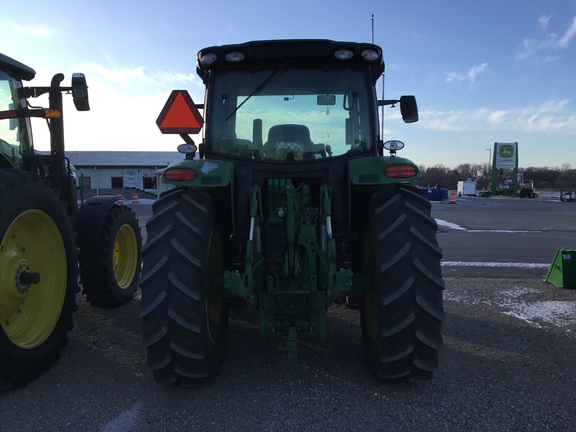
<point>262,85</point>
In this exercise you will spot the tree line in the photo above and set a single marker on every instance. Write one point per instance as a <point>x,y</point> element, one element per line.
<point>560,178</point>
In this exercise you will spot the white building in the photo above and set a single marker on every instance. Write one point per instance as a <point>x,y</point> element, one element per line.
<point>105,170</point>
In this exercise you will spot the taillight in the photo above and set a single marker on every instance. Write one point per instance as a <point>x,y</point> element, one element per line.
<point>180,174</point>
<point>400,171</point>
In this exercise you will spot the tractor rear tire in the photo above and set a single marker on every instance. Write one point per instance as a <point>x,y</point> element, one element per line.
<point>185,322</point>
<point>38,278</point>
<point>109,273</point>
<point>402,316</point>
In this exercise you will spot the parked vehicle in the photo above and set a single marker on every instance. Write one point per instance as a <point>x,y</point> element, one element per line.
<point>42,231</point>
<point>291,207</point>
<point>527,189</point>
<point>567,196</point>
<point>466,188</point>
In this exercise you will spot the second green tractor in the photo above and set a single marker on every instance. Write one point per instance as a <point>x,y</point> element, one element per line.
<point>292,203</point>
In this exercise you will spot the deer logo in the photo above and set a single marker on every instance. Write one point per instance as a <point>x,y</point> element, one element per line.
<point>506,151</point>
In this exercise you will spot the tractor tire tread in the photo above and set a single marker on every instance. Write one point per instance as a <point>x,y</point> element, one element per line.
<point>21,191</point>
<point>408,286</point>
<point>174,293</point>
<point>97,266</point>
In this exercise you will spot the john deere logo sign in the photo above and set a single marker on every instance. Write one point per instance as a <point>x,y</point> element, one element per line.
<point>506,151</point>
<point>506,155</point>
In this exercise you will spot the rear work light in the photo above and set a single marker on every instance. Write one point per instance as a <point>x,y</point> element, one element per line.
<point>180,174</point>
<point>234,57</point>
<point>208,59</point>
<point>400,171</point>
<point>370,55</point>
<point>343,54</point>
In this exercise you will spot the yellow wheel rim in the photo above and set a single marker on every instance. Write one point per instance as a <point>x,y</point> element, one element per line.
<point>33,279</point>
<point>214,300</point>
<point>125,256</point>
<point>370,297</point>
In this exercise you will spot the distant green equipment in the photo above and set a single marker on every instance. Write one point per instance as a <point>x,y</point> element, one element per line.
<point>504,189</point>
<point>562,272</point>
<point>527,189</point>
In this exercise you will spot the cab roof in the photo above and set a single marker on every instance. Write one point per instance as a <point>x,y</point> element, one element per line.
<point>14,67</point>
<point>298,52</point>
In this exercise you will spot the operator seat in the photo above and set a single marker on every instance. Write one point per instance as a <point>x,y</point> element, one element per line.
<point>289,133</point>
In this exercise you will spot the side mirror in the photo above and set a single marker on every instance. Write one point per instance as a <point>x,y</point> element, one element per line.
<point>409,109</point>
<point>80,92</point>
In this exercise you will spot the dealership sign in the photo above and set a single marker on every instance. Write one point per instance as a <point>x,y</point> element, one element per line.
<point>506,155</point>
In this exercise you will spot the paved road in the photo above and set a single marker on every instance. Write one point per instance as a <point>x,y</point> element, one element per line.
<point>505,232</point>
<point>507,364</point>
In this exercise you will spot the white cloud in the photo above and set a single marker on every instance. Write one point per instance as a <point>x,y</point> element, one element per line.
<point>531,47</point>
<point>139,77</point>
<point>543,21</point>
<point>570,33</point>
<point>32,31</point>
<point>124,105</point>
<point>549,117</point>
<point>470,75</point>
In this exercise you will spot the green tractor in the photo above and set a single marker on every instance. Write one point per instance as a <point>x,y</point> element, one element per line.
<point>504,189</point>
<point>290,205</point>
<point>46,240</point>
<point>527,189</point>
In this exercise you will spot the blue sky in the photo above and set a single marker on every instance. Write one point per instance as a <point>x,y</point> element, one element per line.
<point>482,71</point>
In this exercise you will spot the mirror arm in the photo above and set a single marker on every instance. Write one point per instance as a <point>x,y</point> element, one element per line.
<point>388,102</point>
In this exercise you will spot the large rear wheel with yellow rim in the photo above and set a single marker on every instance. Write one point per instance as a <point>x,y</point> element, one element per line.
<point>38,278</point>
<point>109,271</point>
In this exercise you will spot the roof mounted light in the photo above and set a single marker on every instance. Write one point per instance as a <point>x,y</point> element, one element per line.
<point>208,59</point>
<point>234,57</point>
<point>343,54</point>
<point>369,54</point>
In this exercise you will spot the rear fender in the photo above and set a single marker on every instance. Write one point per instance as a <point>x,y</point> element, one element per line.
<point>90,220</point>
<point>371,170</point>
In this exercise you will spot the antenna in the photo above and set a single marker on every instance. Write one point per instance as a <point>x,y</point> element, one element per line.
<point>383,76</point>
<point>382,108</point>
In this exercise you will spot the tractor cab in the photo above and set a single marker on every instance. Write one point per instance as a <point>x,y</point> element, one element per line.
<point>290,207</point>
<point>15,135</point>
<point>293,101</point>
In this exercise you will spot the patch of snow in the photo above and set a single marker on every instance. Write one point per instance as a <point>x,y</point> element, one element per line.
<point>558,313</point>
<point>520,291</point>
<point>492,264</point>
<point>502,231</point>
<point>457,227</point>
<point>450,225</point>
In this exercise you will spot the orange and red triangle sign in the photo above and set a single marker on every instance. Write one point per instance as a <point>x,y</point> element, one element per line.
<point>180,115</point>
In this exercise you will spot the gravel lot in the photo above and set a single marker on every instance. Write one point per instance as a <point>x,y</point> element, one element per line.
<point>507,364</point>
